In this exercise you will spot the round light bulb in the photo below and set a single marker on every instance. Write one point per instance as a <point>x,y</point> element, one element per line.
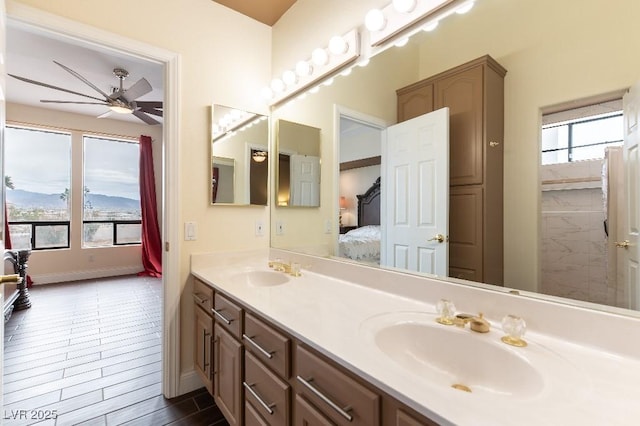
<point>303,68</point>
<point>289,77</point>
<point>402,42</point>
<point>374,20</point>
<point>404,6</point>
<point>430,26</point>
<point>277,85</point>
<point>320,57</point>
<point>338,45</point>
<point>465,7</point>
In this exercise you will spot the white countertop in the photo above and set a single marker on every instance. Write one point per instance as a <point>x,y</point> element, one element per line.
<point>580,383</point>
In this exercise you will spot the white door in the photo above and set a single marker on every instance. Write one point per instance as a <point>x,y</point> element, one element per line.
<point>416,194</point>
<point>629,247</point>
<point>305,180</point>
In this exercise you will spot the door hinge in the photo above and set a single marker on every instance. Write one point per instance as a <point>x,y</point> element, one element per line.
<point>166,246</point>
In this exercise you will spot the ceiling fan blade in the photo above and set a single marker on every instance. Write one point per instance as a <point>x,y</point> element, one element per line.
<point>49,86</point>
<point>149,104</point>
<point>139,88</point>
<point>144,117</point>
<point>47,101</point>
<point>84,80</point>
<point>151,111</point>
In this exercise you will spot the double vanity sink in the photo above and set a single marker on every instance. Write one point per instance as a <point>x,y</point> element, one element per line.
<point>390,338</point>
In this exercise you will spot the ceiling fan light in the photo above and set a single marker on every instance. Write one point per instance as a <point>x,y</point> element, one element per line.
<point>259,156</point>
<point>121,109</point>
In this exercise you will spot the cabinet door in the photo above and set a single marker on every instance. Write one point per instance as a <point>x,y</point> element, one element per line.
<point>307,415</point>
<point>202,354</point>
<point>462,92</point>
<point>227,382</point>
<point>415,102</point>
<point>466,232</point>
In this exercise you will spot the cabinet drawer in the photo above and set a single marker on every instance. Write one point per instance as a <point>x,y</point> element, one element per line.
<point>202,295</point>
<point>251,416</point>
<point>338,396</point>
<point>267,344</point>
<point>268,394</point>
<point>306,414</point>
<point>228,315</point>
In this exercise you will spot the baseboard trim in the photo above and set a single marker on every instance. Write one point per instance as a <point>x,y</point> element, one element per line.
<point>189,382</point>
<point>84,275</point>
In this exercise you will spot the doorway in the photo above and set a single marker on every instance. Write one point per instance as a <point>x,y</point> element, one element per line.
<point>581,175</point>
<point>39,21</point>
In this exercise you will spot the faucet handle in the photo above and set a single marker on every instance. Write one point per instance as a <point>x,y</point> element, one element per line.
<point>446,311</point>
<point>479,324</point>
<point>515,327</point>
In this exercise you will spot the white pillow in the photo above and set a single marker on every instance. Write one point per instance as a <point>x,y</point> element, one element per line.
<point>368,231</point>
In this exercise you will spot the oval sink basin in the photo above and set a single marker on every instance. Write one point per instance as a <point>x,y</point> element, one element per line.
<point>453,357</point>
<point>257,278</point>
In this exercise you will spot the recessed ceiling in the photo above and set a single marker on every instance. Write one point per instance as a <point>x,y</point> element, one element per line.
<point>265,11</point>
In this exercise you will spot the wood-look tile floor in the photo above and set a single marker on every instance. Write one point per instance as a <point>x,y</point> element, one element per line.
<point>90,352</point>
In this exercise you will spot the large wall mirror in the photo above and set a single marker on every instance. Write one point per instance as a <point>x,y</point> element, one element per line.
<point>239,157</point>
<point>298,165</point>
<point>542,74</point>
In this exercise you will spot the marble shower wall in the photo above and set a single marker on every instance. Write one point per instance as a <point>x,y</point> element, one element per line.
<point>574,244</point>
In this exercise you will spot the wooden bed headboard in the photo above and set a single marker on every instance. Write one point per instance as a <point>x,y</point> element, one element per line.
<point>369,205</point>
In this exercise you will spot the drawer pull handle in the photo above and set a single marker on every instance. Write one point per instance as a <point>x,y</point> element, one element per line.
<point>330,403</point>
<point>257,346</point>
<point>267,407</point>
<point>205,334</point>
<point>222,317</point>
<point>199,299</point>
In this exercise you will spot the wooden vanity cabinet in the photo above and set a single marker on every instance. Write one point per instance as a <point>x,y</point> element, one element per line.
<point>474,94</point>
<point>260,375</point>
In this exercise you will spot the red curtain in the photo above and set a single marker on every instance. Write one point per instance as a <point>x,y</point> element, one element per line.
<point>7,235</point>
<point>151,240</point>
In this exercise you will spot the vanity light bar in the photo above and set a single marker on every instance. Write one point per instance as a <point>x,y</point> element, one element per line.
<point>323,63</point>
<point>390,22</point>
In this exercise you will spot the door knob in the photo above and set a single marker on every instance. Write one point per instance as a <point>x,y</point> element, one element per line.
<point>439,238</point>
<point>624,244</point>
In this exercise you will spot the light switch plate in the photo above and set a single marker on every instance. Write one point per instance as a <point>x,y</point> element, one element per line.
<point>190,231</point>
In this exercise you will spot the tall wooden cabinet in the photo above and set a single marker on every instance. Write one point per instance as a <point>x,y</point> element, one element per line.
<point>474,94</point>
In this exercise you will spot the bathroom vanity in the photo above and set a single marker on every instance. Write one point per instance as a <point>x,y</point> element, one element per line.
<point>347,344</point>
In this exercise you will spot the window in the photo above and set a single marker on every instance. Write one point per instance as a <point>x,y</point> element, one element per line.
<point>38,178</point>
<point>581,134</point>
<point>111,193</point>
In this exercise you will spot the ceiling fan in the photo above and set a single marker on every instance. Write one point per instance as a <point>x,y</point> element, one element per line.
<point>120,100</point>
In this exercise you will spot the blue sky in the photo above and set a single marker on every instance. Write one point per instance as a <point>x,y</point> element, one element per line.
<point>111,169</point>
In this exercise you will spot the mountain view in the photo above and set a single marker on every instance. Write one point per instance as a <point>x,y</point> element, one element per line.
<point>27,199</point>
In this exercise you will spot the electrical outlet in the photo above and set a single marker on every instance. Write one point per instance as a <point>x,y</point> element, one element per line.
<point>279,227</point>
<point>190,231</point>
<point>259,228</point>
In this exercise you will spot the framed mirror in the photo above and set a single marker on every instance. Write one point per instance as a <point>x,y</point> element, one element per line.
<point>239,157</point>
<point>298,165</point>
<point>542,76</point>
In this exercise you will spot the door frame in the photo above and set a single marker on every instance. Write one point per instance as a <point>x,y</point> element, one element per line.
<point>29,17</point>
<point>339,112</point>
